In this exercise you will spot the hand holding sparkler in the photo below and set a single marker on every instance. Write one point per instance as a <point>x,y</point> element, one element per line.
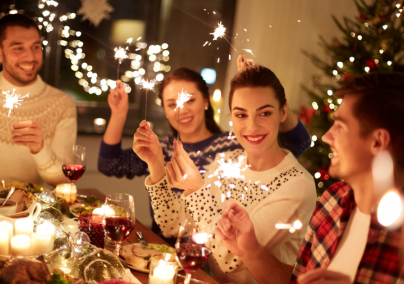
<point>118,101</point>
<point>243,63</point>
<point>236,230</point>
<point>28,133</point>
<point>181,171</point>
<point>147,146</point>
<point>147,85</point>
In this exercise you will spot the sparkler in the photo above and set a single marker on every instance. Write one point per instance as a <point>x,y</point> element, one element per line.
<point>147,85</point>
<point>183,97</point>
<point>230,169</point>
<point>250,51</point>
<point>297,225</point>
<point>120,54</point>
<point>220,32</point>
<point>13,100</point>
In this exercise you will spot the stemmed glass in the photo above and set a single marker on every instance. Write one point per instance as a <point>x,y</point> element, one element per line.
<point>193,246</point>
<point>119,218</point>
<point>74,164</point>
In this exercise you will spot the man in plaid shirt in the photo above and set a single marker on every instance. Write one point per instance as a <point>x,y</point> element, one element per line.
<point>344,242</point>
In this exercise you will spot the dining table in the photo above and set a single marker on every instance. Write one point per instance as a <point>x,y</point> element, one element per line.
<point>150,237</point>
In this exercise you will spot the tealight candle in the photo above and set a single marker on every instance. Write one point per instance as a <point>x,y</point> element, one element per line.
<point>109,212</point>
<point>24,227</point>
<point>47,229</point>
<point>162,271</point>
<point>4,242</point>
<point>9,228</point>
<point>21,245</point>
<point>66,191</point>
<point>39,243</point>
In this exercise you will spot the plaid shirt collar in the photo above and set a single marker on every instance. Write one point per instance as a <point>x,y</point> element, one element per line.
<point>329,220</point>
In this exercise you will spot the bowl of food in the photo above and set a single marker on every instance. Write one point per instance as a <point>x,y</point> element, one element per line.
<point>8,208</point>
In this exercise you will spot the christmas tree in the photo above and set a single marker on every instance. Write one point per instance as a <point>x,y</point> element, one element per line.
<point>372,42</point>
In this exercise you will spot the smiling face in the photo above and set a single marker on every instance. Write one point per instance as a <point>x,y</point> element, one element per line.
<point>256,117</point>
<point>352,156</point>
<point>21,55</point>
<point>192,115</point>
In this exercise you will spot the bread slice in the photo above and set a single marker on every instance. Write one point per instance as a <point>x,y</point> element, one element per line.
<point>144,252</point>
<point>138,262</point>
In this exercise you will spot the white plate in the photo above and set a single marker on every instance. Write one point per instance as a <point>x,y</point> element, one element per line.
<point>74,206</point>
<point>140,269</point>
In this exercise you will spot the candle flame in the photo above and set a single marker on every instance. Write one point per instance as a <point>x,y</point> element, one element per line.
<point>219,31</point>
<point>183,97</point>
<point>13,100</point>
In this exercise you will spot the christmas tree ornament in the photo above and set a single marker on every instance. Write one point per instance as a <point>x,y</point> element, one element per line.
<point>95,11</point>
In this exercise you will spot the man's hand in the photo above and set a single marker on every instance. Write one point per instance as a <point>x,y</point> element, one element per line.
<point>181,171</point>
<point>236,230</point>
<point>28,133</point>
<point>323,276</point>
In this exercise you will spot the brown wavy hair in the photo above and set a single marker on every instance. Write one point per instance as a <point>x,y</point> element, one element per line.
<point>192,76</point>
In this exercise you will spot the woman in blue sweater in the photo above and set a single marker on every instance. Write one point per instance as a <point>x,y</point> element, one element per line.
<point>200,135</point>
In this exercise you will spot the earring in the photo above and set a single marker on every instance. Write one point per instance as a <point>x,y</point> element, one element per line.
<point>206,108</point>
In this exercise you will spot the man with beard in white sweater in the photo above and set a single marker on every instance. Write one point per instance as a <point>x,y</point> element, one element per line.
<point>34,136</point>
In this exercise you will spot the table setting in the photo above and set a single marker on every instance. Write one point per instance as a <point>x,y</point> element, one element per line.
<point>82,236</point>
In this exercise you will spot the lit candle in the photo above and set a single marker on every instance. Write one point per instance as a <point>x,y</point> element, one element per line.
<point>109,212</point>
<point>162,274</point>
<point>24,227</point>
<point>9,228</point>
<point>21,245</point>
<point>66,191</point>
<point>47,229</point>
<point>39,243</point>
<point>4,242</point>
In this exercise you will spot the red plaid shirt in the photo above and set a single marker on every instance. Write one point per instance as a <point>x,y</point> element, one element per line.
<point>380,261</point>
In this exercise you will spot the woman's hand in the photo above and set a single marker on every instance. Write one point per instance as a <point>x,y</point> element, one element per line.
<point>243,63</point>
<point>236,230</point>
<point>181,171</point>
<point>118,100</point>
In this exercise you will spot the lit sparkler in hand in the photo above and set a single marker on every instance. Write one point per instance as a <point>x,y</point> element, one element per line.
<point>147,85</point>
<point>13,100</point>
<point>183,97</point>
<point>120,54</point>
<point>230,169</point>
<point>250,51</point>
<point>219,31</point>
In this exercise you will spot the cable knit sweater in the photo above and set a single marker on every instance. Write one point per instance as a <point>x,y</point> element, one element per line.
<point>56,112</point>
<point>281,194</point>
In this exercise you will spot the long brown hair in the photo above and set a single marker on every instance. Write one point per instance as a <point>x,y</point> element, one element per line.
<point>192,76</point>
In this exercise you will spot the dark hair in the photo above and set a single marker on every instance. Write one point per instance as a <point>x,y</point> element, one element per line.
<point>380,104</point>
<point>257,76</point>
<point>192,76</point>
<point>13,20</point>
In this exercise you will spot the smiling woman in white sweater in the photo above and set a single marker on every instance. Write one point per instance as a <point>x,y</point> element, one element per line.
<point>272,186</point>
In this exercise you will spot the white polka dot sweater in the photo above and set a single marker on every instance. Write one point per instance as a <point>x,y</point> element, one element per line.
<point>278,195</point>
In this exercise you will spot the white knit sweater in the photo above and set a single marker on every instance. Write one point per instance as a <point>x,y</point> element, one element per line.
<point>56,112</point>
<point>281,194</point>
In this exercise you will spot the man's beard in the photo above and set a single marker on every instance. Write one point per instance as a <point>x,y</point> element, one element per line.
<point>15,75</point>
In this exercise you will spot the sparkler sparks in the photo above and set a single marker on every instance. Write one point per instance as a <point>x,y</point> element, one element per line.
<point>147,85</point>
<point>120,54</point>
<point>13,100</point>
<point>297,225</point>
<point>183,97</point>
<point>129,40</point>
<point>219,32</point>
<point>249,51</point>
<point>230,169</point>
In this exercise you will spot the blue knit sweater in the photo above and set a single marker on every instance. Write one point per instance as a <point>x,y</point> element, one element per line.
<point>113,161</point>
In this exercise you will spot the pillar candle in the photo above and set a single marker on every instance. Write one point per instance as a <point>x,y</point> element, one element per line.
<point>4,242</point>
<point>109,212</point>
<point>9,228</point>
<point>39,243</point>
<point>47,229</point>
<point>21,245</point>
<point>66,191</point>
<point>24,227</point>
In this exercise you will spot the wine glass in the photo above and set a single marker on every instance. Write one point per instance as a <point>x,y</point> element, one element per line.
<point>120,220</point>
<point>74,165</point>
<point>193,246</point>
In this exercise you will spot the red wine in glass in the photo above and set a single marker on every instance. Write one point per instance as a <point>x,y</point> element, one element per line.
<point>73,172</point>
<point>192,256</point>
<point>118,228</point>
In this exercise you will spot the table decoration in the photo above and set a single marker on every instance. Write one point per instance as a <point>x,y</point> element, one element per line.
<point>20,245</point>
<point>92,225</point>
<point>4,242</point>
<point>67,192</point>
<point>47,229</point>
<point>109,212</point>
<point>23,227</point>
<point>9,228</point>
<point>40,243</point>
<point>163,269</point>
